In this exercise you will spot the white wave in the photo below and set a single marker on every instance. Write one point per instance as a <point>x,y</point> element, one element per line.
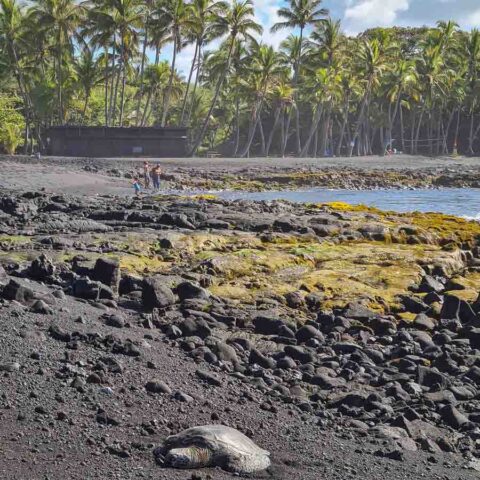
<point>469,217</point>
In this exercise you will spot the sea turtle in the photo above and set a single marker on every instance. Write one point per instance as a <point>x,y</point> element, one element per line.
<point>214,446</point>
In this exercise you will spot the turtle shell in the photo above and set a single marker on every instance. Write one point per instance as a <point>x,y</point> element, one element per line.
<point>227,445</point>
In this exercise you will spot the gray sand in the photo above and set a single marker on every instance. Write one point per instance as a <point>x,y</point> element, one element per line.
<point>66,175</point>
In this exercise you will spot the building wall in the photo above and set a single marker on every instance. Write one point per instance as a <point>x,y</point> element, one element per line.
<point>116,142</point>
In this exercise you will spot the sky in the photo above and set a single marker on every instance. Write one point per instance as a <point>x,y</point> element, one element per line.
<point>358,15</point>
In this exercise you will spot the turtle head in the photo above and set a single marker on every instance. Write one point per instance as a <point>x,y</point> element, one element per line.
<point>190,457</point>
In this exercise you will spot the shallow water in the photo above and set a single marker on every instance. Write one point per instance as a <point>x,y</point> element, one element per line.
<point>463,202</point>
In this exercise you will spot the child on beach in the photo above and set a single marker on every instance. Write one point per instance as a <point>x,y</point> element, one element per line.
<point>136,186</point>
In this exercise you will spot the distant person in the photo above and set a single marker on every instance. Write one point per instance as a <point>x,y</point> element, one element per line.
<point>156,172</point>
<point>136,186</point>
<point>146,174</point>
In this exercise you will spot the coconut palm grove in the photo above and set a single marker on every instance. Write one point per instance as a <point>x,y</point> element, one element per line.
<point>321,93</point>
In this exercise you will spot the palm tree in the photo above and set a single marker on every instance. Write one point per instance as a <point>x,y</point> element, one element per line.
<point>146,11</point>
<point>12,27</point>
<point>402,78</point>
<point>472,53</point>
<point>282,98</point>
<point>128,16</point>
<point>326,42</point>
<point>372,65</point>
<point>290,49</point>
<point>88,74</point>
<point>201,20</point>
<point>237,21</point>
<point>156,79</point>
<point>175,15</point>
<point>57,22</point>
<point>265,69</point>
<point>350,87</point>
<point>100,27</point>
<point>326,88</point>
<point>301,14</point>
<point>213,68</point>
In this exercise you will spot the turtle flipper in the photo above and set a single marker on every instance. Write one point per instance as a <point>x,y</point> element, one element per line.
<point>189,457</point>
<point>246,463</point>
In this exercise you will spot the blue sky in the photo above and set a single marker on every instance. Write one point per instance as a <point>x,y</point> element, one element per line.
<point>357,15</point>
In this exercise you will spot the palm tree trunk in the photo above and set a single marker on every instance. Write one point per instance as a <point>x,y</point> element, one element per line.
<point>106,85</point>
<point>112,86</point>
<point>184,104</point>
<point>145,109</point>
<point>272,131</point>
<point>257,110</point>
<point>214,100</point>
<point>313,127</point>
<point>237,127</point>
<point>85,105</point>
<point>26,134</point>
<point>166,99</point>
<point>412,131</point>
<point>430,133</point>
<point>297,129</point>
<point>326,130</point>
<point>344,125</point>
<point>297,110</point>
<point>447,131</point>
<point>262,135</point>
<point>142,73</point>
<point>393,117</point>
<point>417,136</point>
<point>197,76</point>
<point>470,134</point>
<point>315,144</point>
<point>122,95</point>
<point>359,119</point>
<point>282,132</point>
<point>476,132</point>
<point>59,80</point>
<point>342,133</point>
<point>402,130</point>
<point>149,97</point>
<point>457,128</point>
<point>115,95</point>
<point>296,69</point>
<point>287,130</point>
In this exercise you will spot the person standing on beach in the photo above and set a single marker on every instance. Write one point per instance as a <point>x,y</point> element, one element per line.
<point>146,174</point>
<point>156,171</point>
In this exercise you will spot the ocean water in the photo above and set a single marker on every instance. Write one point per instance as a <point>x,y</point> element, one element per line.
<point>462,202</point>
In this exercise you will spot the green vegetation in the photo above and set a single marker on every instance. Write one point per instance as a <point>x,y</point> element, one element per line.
<point>100,62</point>
<point>12,124</point>
<point>246,266</point>
<point>15,240</point>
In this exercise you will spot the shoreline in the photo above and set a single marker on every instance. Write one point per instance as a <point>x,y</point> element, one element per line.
<point>370,173</point>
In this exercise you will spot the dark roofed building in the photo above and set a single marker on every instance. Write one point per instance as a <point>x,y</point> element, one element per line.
<point>79,141</point>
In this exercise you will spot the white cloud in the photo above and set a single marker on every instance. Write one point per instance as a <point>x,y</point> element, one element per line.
<point>472,20</point>
<point>266,14</point>
<point>184,59</point>
<point>362,14</point>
